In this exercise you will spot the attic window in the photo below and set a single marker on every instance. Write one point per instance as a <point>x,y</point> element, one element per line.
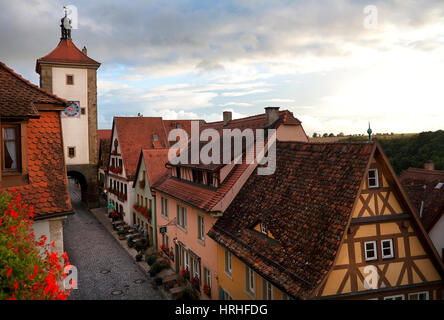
<point>373,181</point>
<point>155,137</point>
<point>263,229</point>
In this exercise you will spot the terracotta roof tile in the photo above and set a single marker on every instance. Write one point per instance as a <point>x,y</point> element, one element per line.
<point>137,133</point>
<point>420,185</point>
<point>66,52</point>
<point>305,204</point>
<point>18,96</point>
<point>47,190</point>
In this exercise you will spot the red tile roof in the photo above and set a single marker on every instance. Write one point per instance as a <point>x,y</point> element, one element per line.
<point>414,180</point>
<point>198,196</point>
<point>47,190</point>
<point>18,97</point>
<point>205,198</point>
<point>136,133</point>
<point>306,205</point>
<point>155,160</point>
<point>67,53</point>
<point>103,134</point>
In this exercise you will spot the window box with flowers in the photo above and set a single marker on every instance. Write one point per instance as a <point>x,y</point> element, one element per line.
<point>195,282</point>
<point>207,290</point>
<point>185,273</point>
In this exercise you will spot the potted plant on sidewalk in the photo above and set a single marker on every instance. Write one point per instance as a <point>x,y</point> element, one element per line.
<point>138,257</point>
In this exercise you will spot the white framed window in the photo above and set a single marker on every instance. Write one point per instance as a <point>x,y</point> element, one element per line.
<point>226,295</point>
<point>263,229</point>
<point>196,268</point>
<point>200,228</point>
<point>164,207</point>
<point>395,297</point>
<point>250,281</point>
<point>186,260</point>
<point>370,251</point>
<point>207,276</point>
<point>228,266</point>
<point>419,295</point>
<point>165,240</point>
<point>373,181</point>
<point>267,290</point>
<point>387,248</point>
<point>182,216</point>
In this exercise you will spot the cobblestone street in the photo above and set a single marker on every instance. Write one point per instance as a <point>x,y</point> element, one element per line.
<point>105,270</point>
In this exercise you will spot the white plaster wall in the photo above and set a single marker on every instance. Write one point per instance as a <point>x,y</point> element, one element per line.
<point>437,235</point>
<point>75,130</point>
<point>42,227</point>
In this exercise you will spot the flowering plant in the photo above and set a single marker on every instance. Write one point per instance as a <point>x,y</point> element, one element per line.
<point>185,273</point>
<point>195,282</point>
<point>29,269</point>
<point>207,290</point>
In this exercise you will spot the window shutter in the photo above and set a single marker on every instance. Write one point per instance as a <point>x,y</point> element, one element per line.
<point>221,293</point>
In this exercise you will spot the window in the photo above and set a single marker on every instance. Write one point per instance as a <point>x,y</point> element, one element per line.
<point>151,205</point>
<point>370,251</point>
<point>263,229</point>
<point>186,260</point>
<point>182,216</point>
<point>164,207</point>
<point>196,268</point>
<point>396,297</point>
<point>387,248</point>
<point>82,110</point>
<point>69,79</point>
<point>165,240</point>
<point>198,176</point>
<point>155,137</point>
<point>249,280</point>
<point>179,126</point>
<point>228,262</point>
<point>134,218</point>
<point>267,290</point>
<point>419,296</point>
<point>71,152</point>
<point>207,276</point>
<point>178,172</point>
<point>373,178</point>
<point>11,153</point>
<point>226,295</point>
<point>200,228</point>
<point>209,178</point>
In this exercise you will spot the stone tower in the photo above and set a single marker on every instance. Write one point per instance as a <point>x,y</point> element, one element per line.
<point>70,74</point>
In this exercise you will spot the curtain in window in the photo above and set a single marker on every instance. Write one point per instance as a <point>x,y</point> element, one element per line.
<point>10,148</point>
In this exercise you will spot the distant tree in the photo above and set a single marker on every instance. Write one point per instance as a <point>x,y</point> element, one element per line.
<point>341,134</point>
<point>325,135</point>
<point>315,135</point>
<point>331,135</point>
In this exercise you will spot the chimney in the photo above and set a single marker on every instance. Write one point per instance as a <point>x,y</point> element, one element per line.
<point>227,117</point>
<point>85,52</point>
<point>429,165</point>
<point>272,114</point>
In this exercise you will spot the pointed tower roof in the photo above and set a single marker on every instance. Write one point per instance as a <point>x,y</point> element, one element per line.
<point>66,53</point>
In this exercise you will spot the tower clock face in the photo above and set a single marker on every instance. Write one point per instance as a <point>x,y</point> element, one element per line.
<point>72,110</point>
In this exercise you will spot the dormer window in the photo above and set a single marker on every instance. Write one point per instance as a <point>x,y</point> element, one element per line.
<point>197,176</point>
<point>11,149</point>
<point>263,229</point>
<point>373,181</point>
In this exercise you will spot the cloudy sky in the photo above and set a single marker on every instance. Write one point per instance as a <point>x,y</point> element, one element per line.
<point>334,63</point>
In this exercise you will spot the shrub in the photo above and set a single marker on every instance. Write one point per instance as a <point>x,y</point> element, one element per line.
<point>156,268</point>
<point>28,269</point>
<point>130,243</point>
<point>150,259</point>
<point>188,294</point>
